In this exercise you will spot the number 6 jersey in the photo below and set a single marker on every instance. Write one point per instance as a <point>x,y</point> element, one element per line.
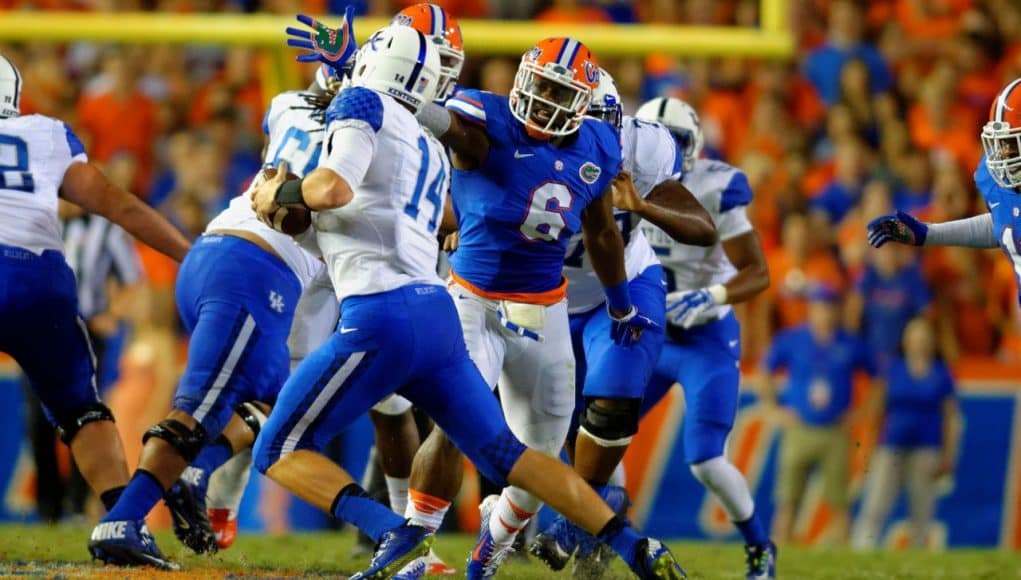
<point>35,152</point>
<point>518,210</point>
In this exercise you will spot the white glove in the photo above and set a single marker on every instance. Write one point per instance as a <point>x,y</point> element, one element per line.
<point>684,307</point>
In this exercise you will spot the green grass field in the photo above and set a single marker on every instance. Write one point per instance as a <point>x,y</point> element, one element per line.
<point>60,552</point>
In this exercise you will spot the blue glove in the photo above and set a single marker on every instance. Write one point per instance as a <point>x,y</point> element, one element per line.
<point>684,307</point>
<point>901,228</point>
<point>332,47</point>
<point>626,330</point>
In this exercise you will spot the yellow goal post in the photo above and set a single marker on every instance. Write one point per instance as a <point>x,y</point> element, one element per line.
<point>773,39</point>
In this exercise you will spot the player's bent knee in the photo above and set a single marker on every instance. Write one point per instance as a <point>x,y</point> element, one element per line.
<point>187,442</point>
<point>88,414</point>
<point>253,416</point>
<point>610,423</point>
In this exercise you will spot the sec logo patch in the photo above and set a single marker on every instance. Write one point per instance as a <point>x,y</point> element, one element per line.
<point>589,172</point>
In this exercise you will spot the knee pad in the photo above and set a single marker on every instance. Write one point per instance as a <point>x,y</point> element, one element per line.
<point>392,406</point>
<point>88,414</point>
<point>186,442</point>
<point>252,415</point>
<point>611,427</point>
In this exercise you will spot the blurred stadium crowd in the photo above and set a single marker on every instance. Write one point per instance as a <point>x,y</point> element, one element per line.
<point>881,111</point>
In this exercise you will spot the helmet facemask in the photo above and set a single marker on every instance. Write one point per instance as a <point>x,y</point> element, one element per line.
<point>1002,145</point>
<point>548,100</point>
<point>451,62</point>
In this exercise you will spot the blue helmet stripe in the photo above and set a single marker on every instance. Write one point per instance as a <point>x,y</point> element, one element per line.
<point>563,46</point>
<point>437,26</point>
<point>417,70</point>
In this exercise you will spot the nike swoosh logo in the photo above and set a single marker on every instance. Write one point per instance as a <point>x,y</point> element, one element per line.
<point>992,205</point>
<point>347,330</point>
<point>522,155</point>
<point>732,343</point>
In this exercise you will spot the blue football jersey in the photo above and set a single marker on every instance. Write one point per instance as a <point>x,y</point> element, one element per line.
<point>1005,206</point>
<point>517,212</point>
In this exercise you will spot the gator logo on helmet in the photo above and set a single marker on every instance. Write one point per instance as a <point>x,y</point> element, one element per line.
<point>589,172</point>
<point>402,19</point>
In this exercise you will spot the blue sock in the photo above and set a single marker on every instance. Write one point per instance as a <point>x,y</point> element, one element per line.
<point>213,456</point>
<point>138,499</point>
<point>622,538</point>
<point>753,531</point>
<point>354,506</point>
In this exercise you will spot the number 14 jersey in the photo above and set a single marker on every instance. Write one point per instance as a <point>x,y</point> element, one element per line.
<point>518,210</point>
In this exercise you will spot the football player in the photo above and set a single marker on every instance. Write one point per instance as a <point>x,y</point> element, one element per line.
<point>703,348</point>
<point>237,293</point>
<point>998,179</point>
<point>377,220</point>
<point>530,172</point>
<point>41,159</point>
<point>613,378</point>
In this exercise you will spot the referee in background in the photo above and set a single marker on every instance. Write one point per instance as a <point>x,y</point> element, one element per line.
<point>108,271</point>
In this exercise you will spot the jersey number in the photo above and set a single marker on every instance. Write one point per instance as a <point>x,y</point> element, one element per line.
<point>14,172</point>
<point>294,149</point>
<point>545,218</point>
<point>574,259</point>
<point>433,194</point>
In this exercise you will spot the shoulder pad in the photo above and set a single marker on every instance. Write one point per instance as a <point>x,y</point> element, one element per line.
<point>357,103</point>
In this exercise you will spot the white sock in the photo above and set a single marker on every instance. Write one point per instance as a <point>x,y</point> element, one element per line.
<point>512,513</point>
<point>397,489</point>
<point>619,476</point>
<point>426,510</point>
<point>227,484</point>
<point>728,484</point>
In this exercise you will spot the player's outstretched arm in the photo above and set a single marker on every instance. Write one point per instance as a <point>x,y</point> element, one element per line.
<point>973,232</point>
<point>671,207</point>
<point>604,243</point>
<point>468,143</point>
<point>86,186</point>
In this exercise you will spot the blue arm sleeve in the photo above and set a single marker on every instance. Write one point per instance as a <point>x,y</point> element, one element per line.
<point>357,103</point>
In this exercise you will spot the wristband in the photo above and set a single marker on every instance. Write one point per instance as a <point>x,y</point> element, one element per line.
<point>289,193</point>
<point>618,297</point>
<point>718,292</point>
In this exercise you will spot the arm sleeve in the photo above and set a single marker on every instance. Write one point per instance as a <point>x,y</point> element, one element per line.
<point>350,146</point>
<point>973,232</point>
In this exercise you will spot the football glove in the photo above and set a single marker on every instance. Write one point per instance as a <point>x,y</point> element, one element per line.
<point>683,307</point>
<point>901,228</point>
<point>332,47</point>
<point>626,330</point>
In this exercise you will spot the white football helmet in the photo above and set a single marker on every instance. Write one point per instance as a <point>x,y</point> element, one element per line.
<point>399,61</point>
<point>606,101</point>
<point>682,120</point>
<point>10,89</point>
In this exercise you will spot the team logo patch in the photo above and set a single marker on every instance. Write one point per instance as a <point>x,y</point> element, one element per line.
<point>591,72</point>
<point>558,165</point>
<point>534,54</point>
<point>589,172</point>
<point>402,19</point>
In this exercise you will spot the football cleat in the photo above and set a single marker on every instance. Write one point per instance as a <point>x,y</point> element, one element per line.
<point>555,544</point>
<point>761,561</point>
<point>225,526</point>
<point>654,561</point>
<point>593,558</point>
<point>413,571</point>
<point>186,501</point>
<point>435,566</point>
<point>396,549</point>
<point>487,556</point>
<point>127,543</point>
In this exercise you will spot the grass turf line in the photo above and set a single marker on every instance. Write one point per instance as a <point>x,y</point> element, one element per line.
<point>60,550</point>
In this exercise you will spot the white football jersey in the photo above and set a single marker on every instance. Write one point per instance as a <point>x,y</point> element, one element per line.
<point>295,131</point>
<point>385,237</point>
<point>651,156</point>
<point>35,152</point>
<point>724,192</point>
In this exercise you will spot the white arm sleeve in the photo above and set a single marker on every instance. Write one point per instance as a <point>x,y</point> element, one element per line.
<point>733,223</point>
<point>973,232</point>
<point>350,145</point>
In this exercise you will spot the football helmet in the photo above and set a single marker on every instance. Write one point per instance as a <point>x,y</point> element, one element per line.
<point>399,61</point>
<point>553,87</point>
<point>1001,137</point>
<point>681,120</point>
<point>443,30</point>
<point>10,89</point>
<point>606,101</point>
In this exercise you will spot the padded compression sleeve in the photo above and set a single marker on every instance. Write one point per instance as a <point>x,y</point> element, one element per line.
<point>973,232</point>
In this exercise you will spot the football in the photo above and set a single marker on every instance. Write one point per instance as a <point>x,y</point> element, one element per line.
<point>291,220</point>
